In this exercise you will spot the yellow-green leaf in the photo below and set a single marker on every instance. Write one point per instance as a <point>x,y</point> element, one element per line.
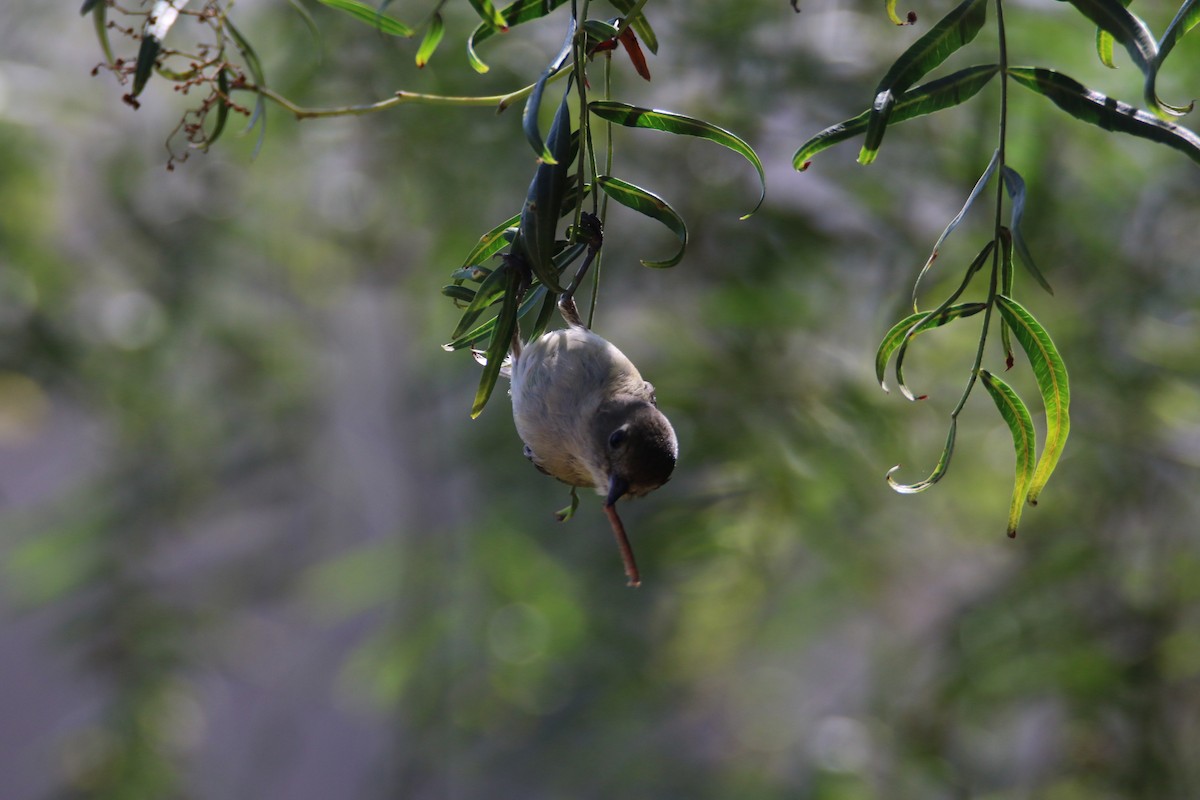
<point>1015,413</point>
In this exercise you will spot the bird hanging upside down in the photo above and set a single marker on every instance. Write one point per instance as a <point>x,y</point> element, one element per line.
<point>588,418</point>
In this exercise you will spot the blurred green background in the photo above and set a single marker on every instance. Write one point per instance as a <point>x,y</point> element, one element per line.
<point>253,547</point>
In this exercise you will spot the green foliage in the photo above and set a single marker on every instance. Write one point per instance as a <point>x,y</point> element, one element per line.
<point>894,103</point>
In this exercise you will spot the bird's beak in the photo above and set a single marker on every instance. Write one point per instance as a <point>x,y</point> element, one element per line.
<point>617,487</point>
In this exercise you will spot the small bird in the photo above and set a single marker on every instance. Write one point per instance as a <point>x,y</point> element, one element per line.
<point>588,418</point>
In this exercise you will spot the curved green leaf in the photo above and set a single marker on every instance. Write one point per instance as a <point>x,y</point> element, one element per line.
<point>259,117</point>
<point>372,16</point>
<point>1014,184</point>
<point>515,14</point>
<point>543,203</point>
<point>529,117</point>
<point>951,32</point>
<point>505,327</point>
<point>1185,19</point>
<point>651,205</point>
<point>488,13</point>
<point>489,292</point>
<point>431,40</point>
<point>1105,112</point>
<point>1014,412</point>
<point>537,294</point>
<point>1104,48</point>
<point>917,323</point>
<point>974,267</point>
<point>939,469</point>
<point>491,242</point>
<point>1051,375</point>
<point>654,119</point>
<point>927,98</point>
<point>1113,18</point>
<point>1007,279</point>
<point>895,18</point>
<point>954,223</point>
<point>99,10</point>
<point>222,107</point>
<point>639,23</point>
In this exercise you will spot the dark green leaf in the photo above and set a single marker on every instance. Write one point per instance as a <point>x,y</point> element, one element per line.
<point>540,215</point>
<point>1185,19</point>
<point>490,291</point>
<point>1014,184</point>
<point>917,323</point>
<point>1007,279</point>
<point>925,99</point>
<point>431,40</point>
<point>537,294</point>
<point>651,205</point>
<point>256,71</point>
<point>515,14</point>
<point>313,29</point>
<point>488,13</point>
<point>1105,112</point>
<point>459,293</point>
<point>653,119</point>
<point>222,107</point>
<point>100,23</point>
<point>974,267</point>
<point>88,5</point>
<point>1051,375</point>
<point>1014,412</point>
<point>639,23</point>
<point>491,242</point>
<point>1113,18</point>
<point>954,223</point>
<point>953,31</point>
<point>372,16</point>
<point>506,326</point>
<point>599,30</point>
<point>529,117</point>
<point>939,470</point>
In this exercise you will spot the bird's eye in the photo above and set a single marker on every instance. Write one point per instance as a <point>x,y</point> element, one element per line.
<point>617,438</point>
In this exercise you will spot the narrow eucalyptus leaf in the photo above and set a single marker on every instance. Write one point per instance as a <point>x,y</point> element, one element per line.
<point>1007,279</point>
<point>939,469</point>
<point>1104,48</point>
<point>371,16</point>
<point>1113,18</point>
<point>950,33</point>
<point>458,293</point>
<point>639,23</point>
<point>147,55</point>
<point>506,326</point>
<point>954,223</point>
<point>654,119</point>
<point>529,117</point>
<point>1185,19</point>
<point>925,99</point>
<point>222,108</point>
<point>491,242</point>
<point>974,267</point>
<point>537,294</point>
<point>1020,423</point>
<point>1051,374</point>
<point>540,215</point>
<point>1105,112</point>
<point>1014,185</point>
<point>488,13</point>
<point>515,14</point>
<point>490,291</point>
<point>431,40</point>
<point>652,206</point>
<point>917,323</point>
